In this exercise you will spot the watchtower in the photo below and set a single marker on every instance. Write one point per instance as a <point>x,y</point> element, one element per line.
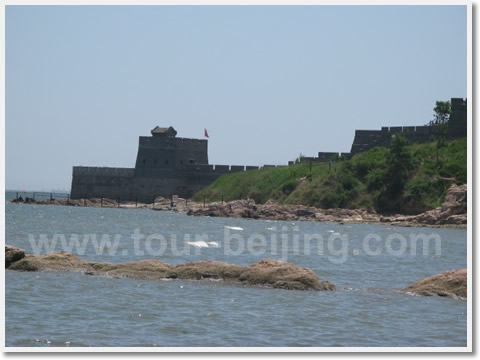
<point>457,124</point>
<point>164,153</point>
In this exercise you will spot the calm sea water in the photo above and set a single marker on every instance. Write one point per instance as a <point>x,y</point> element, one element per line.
<point>69,309</point>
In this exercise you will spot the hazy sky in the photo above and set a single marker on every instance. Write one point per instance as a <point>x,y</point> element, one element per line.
<point>268,82</point>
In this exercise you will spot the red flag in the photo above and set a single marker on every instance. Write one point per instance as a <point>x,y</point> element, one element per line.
<point>206,133</point>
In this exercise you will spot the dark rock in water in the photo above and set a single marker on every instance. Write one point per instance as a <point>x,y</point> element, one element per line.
<point>265,273</point>
<point>305,213</point>
<point>452,284</point>
<point>55,261</point>
<point>13,254</point>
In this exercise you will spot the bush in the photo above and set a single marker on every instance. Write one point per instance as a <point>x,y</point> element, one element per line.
<point>375,179</point>
<point>330,200</point>
<point>289,187</point>
<point>454,169</point>
<point>257,196</point>
<point>365,162</point>
<point>423,193</point>
<point>403,178</point>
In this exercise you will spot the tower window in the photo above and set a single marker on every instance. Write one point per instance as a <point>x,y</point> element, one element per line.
<point>155,161</point>
<point>166,162</point>
<point>144,161</point>
<point>191,161</point>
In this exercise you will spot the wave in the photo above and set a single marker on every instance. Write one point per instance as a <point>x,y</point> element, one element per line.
<point>234,228</point>
<point>203,244</point>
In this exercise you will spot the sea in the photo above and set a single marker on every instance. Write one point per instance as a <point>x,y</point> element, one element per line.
<point>369,264</point>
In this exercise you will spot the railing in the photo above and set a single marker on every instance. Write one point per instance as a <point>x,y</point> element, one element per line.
<point>35,195</point>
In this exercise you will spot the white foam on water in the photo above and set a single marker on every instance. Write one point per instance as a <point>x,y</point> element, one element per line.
<point>273,228</point>
<point>234,228</point>
<point>203,244</point>
<point>199,244</point>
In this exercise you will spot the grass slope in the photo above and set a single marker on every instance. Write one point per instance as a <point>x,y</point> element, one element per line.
<point>354,183</point>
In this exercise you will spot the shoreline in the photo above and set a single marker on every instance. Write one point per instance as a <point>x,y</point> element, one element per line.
<point>447,216</point>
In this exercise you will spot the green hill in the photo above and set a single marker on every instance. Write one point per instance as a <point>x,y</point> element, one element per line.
<point>406,179</point>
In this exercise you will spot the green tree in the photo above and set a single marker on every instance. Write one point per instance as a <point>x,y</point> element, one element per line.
<point>441,139</point>
<point>399,163</point>
<point>442,111</point>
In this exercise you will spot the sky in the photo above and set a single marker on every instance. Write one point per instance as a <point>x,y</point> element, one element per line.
<point>268,82</point>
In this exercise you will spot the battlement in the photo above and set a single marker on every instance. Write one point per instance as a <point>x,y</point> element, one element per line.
<point>458,102</point>
<point>220,169</point>
<point>155,141</point>
<point>457,124</point>
<point>163,150</point>
<point>323,157</point>
<point>102,171</point>
<point>167,165</point>
<point>368,139</point>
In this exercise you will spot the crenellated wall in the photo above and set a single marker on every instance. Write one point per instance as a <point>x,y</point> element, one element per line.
<point>101,182</point>
<point>127,184</point>
<point>457,128</point>
<point>457,124</point>
<point>167,165</point>
<point>168,152</point>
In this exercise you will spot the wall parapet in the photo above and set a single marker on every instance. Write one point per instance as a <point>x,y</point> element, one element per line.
<point>323,157</point>
<point>226,169</point>
<point>102,171</point>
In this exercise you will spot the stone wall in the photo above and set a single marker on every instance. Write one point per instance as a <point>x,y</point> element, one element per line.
<point>167,165</point>
<point>457,128</point>
<point>126,184</point>
<point>112,183</point>
<point>323,157</point>
<point>158,152</point>
<point>457,124</point>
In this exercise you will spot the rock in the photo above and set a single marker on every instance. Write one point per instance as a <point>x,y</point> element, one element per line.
<point>305,213</point>
<point>456,200</point>
<point>452,212</point>
<point>452,284</point>
<point>55,261</point>
<point>265,273</point>
<point>13,254</point>
<point>283,275</point>
<point>272,211</point>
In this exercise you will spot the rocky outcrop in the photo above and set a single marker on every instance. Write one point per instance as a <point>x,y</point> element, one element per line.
<point>13,254</point>
<point>452,284</point>
<point>452,212</point>
<point>265,273</point>
<point>273,211</point>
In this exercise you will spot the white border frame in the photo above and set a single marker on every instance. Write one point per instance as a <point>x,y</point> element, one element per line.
<point>468,348</point>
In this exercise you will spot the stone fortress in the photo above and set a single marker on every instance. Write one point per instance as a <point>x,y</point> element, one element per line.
<point>367,139</point>
<point>167,165</point>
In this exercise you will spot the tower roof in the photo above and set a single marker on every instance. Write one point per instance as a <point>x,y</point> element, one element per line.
<point>170,131</point>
